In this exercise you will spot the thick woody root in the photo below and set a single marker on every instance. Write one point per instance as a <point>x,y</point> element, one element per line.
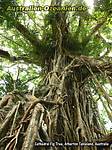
<point>22,130</point>
<point>67,113</point>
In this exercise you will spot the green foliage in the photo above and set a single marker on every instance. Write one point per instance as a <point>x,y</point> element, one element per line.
<point>104,5</point>
<point>4,14</point>
<point>9,84</point>
<point>20,79</point>
<point>50,18</point>
<point>42,26</point>
<point>102,117</point>
<point>94,50</point>
<point>77,32</point>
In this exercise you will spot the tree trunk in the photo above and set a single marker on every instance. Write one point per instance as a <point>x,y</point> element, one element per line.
<point>65,116</point>
<point>77,119</point>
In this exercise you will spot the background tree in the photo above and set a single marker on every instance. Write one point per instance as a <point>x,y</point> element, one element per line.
<point>67,55</point>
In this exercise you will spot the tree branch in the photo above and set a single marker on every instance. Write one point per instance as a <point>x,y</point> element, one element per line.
<point>96,65</point>
<point>106,138</point>
<point>78,28</point>
<point>94,30</point>
<point>10,40</point>
<point>27,34</point>
<point>6,55</point>
<point>105,42</point>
